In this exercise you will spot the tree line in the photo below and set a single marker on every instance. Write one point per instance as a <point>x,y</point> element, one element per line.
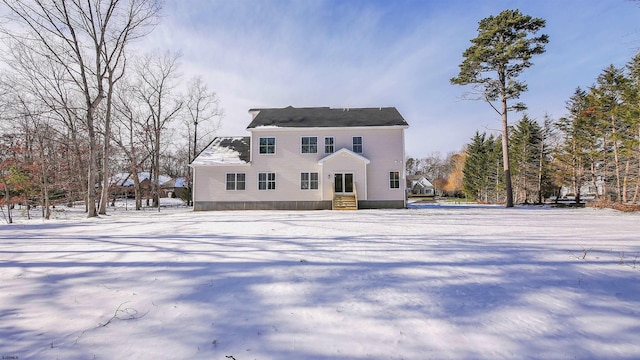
<point>79,103</point>
<point>594,150</point>
<point>600,136</point>
<point>530,147</point>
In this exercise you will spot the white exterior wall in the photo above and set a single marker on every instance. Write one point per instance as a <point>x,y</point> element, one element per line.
<point>383,147</point>
<point>209,183</point>
<point>345,162</point>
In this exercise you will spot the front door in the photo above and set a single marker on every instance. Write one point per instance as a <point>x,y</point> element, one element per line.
<point>343,183</point>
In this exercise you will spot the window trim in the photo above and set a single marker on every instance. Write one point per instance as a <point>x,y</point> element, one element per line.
<point>266,146</point>
<point>333,144</point>
<point>309,181</point>
<point>269,184</point>
<point>235,182</point>
<point>353,144</point>
<point>309,146</point>
<point>393,181</point>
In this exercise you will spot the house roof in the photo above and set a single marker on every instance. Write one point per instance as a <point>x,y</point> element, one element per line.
<point>225,151</point>
<point>419,180</point>
<point>326,117</point>
<point>125,179</point>
<point>175,183</point>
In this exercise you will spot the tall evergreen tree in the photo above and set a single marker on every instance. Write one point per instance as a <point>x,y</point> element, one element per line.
<point>498,55</point>
<point>608,97</point>
<point>476,173</point>
<point>546,186</point>
<point>482,177</point>
<point>633,100</point>
<point>577,140</point>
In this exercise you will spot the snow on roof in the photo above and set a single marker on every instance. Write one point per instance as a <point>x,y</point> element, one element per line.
<point>225,151</point>
<point>181,182</point>
<point>125,179</point>
<point>175,183</point>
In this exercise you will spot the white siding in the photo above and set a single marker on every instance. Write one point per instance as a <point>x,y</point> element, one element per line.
<point>383,147</point>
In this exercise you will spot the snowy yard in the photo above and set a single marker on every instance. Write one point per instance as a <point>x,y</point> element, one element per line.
<point>432,282</point>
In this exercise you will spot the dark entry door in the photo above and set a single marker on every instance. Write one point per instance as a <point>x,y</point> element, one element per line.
<point>343,183</point>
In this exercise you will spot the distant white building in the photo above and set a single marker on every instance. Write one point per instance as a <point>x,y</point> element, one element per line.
<point>420,186</point>
<point>587,190</point>
<point>306,158</point>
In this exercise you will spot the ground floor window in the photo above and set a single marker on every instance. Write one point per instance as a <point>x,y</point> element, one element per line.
<point>394,179</point>
<point>309,181</point>
<point>236,181</point>
<point>267,181</point>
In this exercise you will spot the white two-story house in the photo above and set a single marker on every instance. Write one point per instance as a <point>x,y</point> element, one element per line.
<point>306,158</point>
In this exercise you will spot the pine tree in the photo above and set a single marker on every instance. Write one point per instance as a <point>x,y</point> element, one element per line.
<point>499,54</point>
<point>633,100</point>
<point>578,137</point>
<point>478,178</point>
<point>608,98</point>
<point>525,144</point>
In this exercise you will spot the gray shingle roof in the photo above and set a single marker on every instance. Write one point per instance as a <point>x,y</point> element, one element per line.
<point>327,117</point>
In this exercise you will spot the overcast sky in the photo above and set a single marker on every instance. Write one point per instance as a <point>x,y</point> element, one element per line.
<point>352,53</point>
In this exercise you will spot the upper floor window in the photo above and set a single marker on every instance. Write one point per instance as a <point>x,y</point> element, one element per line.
<point>267,181</point>
<point>267,145</point>
<point>309,181</point>
<point>236,181</point>
<point>357,144</point>
<point>329,145</point>
<point>309,144</point>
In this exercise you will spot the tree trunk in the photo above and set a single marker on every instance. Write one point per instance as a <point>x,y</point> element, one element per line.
<point>540,169</point>
<point>92,168</point>
<point>156,174</point>
<point>136,188</point>
<point>190,170</point>
<point>104,194</point>
<point>505,154</point>
<point>637,190</point>
<point>106,150</point>
<point>594,178</point>
<point>579,174</point>
<point>46,210</point>
<point>7,198</point>
<point>616,159</point>
<point>625,180</point>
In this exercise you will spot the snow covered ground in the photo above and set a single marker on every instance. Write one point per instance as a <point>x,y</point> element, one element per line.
<point>429,282</point>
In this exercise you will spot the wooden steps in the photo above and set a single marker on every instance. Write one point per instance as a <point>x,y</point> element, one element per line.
<point>345,202</point>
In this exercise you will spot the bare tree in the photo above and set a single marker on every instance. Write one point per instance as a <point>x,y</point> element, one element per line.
<point>45,83</point>
<point>203,112</point>
<point>88,40</point>
<point>129,135</point>
<point>157,75</point>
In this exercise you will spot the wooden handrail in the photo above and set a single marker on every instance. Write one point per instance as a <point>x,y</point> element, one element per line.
<point>333,197</point>
<point>355,192</point>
